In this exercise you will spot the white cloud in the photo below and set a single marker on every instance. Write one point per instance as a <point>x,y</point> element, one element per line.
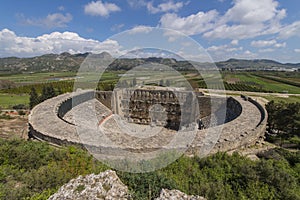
<point>117,27</point>
<point>173,35</point>
<point>235,31</point>
<point>136,3</point>
<point>252,11</point>
<point>297,50</point>
<point>246,55</point>
<point>56,42</point>
<point>224,52</point>
<point>263,43</point>
<point>234,42</point>
<point>245,19</point>
<point>248,19</point>
<point>191,25</point>
<point>164,7</point>
<point>266,50</point>
<point>290,30</point>
<point>51,21</point>
<point>61,8</point>
<point>140,29</point>
<point>267,43</point>
<point>280,45</point>
<point>98,8</point>
<point>224,48</point>
<point>167,6</point>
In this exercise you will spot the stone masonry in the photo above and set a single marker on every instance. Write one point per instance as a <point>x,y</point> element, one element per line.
<point>53,121</point>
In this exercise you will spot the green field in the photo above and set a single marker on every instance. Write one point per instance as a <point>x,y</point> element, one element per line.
<point>237,80</point>
<point>263,83</point>
<point>7,101</point>
<point>273,82</point>
<point>31,78</point>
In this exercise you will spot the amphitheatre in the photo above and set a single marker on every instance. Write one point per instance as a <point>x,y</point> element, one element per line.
<point>124,119</point>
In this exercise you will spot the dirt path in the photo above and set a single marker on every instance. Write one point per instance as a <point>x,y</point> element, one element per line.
<point>17,127</point>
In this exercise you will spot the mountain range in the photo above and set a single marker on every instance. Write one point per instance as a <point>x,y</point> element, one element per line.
<point>71,62</point>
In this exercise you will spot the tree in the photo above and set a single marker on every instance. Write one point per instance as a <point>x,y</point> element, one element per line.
<point>33,99</point>
<point>59,91</point>
<point>47,93</point>
<point>161,82</point>
<point>50,91</point>
<point>284,120</point>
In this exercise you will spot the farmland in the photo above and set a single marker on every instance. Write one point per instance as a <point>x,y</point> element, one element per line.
<point>263,82</point>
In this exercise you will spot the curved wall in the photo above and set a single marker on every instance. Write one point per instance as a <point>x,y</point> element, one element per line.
<point>246,123</point>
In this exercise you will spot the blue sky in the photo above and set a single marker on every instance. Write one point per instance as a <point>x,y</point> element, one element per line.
<point>226,29</point>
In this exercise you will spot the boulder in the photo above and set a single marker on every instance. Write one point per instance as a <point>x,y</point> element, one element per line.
<point>105,185</point>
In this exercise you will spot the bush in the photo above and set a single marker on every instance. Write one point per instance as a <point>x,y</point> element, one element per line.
<point>6,116</point>
<point>21,112</point>
<point>19,107</point>
<point>35,170</point>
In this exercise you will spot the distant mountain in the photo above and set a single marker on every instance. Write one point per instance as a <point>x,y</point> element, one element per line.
<point>48,62</point>
<point>258,64</point>
<point>71,62</point>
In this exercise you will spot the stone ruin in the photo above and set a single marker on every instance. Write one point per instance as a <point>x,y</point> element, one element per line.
<point>242,123</point>
<point>168,108</point>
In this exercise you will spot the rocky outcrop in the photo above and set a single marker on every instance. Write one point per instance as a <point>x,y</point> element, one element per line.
<point>176,194</point>
<point>108,186</point>
<point>105,185</point>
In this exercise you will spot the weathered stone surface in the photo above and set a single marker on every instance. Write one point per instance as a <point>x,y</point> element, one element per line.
<point>94,126</point>
<point>177,195</point>
<point>177,107</point>
<point>105,185</point>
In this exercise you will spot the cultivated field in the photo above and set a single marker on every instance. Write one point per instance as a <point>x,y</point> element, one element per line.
<point>262,82</point>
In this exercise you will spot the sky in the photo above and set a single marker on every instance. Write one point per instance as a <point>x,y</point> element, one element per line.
<point>245,29</point>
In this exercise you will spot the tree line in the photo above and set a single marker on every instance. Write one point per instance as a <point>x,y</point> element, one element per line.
<point>47,93</point>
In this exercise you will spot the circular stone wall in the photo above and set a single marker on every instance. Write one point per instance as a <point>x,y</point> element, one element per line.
<point>52,121</point>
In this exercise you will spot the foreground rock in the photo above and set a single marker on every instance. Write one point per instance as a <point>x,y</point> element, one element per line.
<point>108,186</point>
<point>105,185</point>
<point>176,195</point>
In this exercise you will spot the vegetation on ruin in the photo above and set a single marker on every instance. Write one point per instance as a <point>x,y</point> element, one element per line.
<point>35,170</point>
